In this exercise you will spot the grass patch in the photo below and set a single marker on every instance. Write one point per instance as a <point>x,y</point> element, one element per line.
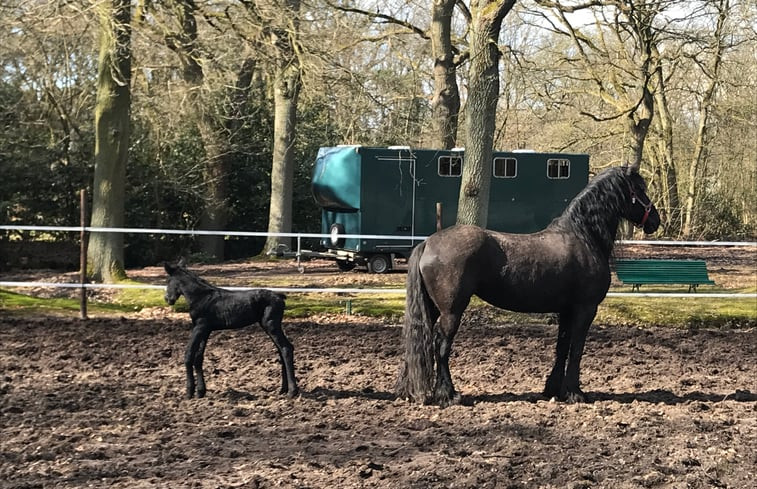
<point>694,312</point>
<point>139,298</point>
<point>388,306</point>
<point>686,312</point>
<point>20,304</point>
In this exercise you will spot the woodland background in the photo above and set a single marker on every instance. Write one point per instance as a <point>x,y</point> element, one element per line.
<point>204,77</point>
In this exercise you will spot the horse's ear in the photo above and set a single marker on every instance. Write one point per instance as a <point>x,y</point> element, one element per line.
<point>170,269</point>
<point>182,263</point>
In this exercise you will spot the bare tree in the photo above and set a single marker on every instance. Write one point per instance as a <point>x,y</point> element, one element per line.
<point>481,108</point>
<point>283,33</point>
<point>106,250</point>
<point>445,103</point>
<point>448,55</point>
<point>183,40</point>
<point>710,65</point>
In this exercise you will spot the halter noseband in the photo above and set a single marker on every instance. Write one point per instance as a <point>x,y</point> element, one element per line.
<point>647,206</point>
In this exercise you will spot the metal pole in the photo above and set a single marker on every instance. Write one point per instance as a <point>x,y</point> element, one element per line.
<point>83,244</point>
<point>300,268</point>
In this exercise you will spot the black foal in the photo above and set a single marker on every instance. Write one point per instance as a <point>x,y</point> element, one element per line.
<point>212,308</point>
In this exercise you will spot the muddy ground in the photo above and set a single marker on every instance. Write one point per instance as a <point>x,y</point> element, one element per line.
<point>99,403</point>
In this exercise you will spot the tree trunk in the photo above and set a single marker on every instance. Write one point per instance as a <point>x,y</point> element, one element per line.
<point>705,105</point>
<point>106,250</point>
<point>671,210</point>
<point>480,117</point>
<point>286,92</point>
<point>215,174</point>
<point>285,97</point>
<point>445,104</point>
<point>215,213</point>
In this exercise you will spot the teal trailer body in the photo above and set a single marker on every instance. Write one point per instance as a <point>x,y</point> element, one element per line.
<point>398,191</point>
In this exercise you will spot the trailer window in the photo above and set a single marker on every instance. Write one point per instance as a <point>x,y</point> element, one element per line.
<point>558,168</point>
<point>505,167</point>
<point>450,166</point>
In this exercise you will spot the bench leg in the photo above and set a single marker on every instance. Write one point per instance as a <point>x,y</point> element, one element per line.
<point>636,288</point>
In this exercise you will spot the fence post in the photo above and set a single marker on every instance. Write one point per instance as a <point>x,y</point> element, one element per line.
<point>438,216</point>
<point>83,244</point>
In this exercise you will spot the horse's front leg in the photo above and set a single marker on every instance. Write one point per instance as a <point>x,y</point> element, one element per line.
<point>581,324</point>
<point>198,360</point>
<point>196,339</point>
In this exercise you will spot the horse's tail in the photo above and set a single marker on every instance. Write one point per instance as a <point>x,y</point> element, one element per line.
<point>417,369</point>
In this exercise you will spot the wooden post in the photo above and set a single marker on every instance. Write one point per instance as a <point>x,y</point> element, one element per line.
<point>438,216</point>
<point>83,244</point>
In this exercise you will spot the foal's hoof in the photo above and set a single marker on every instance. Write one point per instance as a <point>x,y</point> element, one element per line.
<point>292,393</point>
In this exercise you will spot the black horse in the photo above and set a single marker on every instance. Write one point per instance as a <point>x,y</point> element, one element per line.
<point>563,269</point>
<point>212,308</point>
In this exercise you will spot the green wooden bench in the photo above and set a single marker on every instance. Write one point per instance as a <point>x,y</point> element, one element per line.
<point>662,272</point>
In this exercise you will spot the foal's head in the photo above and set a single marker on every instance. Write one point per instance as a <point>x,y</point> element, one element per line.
<point>640,211</point>
<point>173,287</point>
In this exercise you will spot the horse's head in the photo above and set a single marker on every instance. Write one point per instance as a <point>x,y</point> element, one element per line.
<point>173,287</point>
<point>640,211</point>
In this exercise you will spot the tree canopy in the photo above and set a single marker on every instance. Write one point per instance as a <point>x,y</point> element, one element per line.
<point>573,76</point>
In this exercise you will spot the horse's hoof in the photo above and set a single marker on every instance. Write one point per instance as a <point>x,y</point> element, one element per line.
<point>552,388</point>
<point>551,393</point>
<point>576,397</point>
<point>200,394</point>
<point>293,393</point>
<point>447,400</point>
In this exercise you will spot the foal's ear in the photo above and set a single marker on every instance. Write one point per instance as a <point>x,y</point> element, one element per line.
<point>182,263</point>
<point>632,168</point>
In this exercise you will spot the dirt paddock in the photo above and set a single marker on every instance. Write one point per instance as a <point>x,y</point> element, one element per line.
<point>99,403</point>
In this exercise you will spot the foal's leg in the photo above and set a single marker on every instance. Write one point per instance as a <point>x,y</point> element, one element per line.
<point>195,347</point>
<point>444,391</point>
<point>198,360</point>
<point>582,321</point>
<point>271,323</point>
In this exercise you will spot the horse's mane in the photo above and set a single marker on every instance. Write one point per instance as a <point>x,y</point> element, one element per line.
<point>196,278</point>
<point>595,212</point>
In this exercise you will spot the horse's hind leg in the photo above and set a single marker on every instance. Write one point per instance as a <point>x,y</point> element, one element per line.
<point>271,323</point>
<point>444,391</point>
<point>554,384</point>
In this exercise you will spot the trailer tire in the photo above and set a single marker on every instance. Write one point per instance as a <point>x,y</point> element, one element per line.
<point>345,266</point>
<point>379,263</point>
<point>335,232</point>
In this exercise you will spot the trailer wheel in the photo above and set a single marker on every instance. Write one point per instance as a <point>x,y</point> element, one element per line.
<point>345,265</point>
<point>379,263</point>
<point>335,232</point>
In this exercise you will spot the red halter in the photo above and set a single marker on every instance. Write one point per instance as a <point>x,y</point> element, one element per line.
<point>647,207</point>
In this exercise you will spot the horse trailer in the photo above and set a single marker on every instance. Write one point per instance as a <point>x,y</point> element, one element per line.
<point>394,197</point>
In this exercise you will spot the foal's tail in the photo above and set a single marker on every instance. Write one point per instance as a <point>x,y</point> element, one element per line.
<point>417,368</point>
